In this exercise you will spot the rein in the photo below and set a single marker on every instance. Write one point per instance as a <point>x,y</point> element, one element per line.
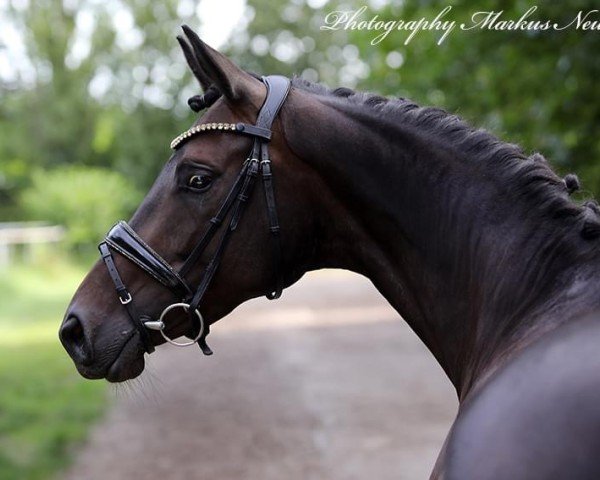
<point>123,239</point>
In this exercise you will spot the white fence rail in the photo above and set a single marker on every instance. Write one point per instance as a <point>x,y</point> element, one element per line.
<point>26,234</point>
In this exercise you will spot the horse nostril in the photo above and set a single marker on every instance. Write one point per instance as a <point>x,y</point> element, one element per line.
<point>72,336</point>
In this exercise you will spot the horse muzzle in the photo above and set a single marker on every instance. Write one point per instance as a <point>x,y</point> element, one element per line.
<point>99,355</point>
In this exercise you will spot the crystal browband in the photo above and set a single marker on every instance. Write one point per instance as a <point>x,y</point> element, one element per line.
<point>242,128</point>
<point>200,128</point>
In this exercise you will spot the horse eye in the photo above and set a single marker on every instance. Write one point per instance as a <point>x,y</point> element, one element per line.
<point>199,182</point>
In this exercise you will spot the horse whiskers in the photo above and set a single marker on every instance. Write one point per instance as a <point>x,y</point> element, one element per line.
<point>153,386</point>
<point>144,387</point>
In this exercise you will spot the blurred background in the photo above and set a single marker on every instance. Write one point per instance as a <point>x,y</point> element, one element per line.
<point>92,91</point>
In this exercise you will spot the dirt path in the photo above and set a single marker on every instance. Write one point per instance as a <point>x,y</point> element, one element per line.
<point>325,384</point>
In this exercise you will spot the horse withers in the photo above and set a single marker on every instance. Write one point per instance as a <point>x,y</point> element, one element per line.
<point>476,245</point>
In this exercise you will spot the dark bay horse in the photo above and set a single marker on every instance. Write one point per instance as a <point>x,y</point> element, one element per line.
<point>476,245</point>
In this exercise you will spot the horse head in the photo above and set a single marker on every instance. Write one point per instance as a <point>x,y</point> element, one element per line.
<point>205,238</point>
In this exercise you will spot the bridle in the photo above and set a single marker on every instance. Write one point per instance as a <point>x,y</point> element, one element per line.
<point>124,240</point>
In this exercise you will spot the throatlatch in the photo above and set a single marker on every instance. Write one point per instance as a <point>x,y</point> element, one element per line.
<point>123,239</point>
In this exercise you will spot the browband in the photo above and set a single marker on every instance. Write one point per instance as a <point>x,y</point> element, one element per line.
<point>262,128</point>
<point>243,128</point>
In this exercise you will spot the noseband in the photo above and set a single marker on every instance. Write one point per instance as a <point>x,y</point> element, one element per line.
<point>124,240</point>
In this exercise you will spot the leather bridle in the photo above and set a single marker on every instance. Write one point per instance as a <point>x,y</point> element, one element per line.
<point>124,240</point>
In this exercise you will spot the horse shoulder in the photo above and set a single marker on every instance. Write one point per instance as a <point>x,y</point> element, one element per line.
<point>538,417</point>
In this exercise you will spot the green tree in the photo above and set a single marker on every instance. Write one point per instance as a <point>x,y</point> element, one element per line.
<point>109,83</point>
<point>105,87</point>
<point>84,199</point>
<point>537,89</point>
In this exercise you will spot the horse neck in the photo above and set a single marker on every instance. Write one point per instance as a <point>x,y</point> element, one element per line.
<point>455,254</point>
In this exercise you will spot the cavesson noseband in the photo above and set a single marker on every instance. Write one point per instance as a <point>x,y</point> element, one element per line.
<point>123,239</point>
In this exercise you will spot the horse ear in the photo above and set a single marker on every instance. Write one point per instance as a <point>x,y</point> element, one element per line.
<point>213,68</point>
<point>202,78</point>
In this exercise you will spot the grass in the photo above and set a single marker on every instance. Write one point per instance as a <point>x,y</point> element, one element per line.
<point>46,409</point>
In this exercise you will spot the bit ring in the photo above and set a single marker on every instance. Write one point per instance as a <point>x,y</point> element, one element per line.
<point>160,325</point>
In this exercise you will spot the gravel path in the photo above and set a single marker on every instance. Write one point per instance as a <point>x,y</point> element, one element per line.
<point>325,384</point>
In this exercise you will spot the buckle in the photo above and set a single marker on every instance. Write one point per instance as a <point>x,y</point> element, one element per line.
<point>125,301</point>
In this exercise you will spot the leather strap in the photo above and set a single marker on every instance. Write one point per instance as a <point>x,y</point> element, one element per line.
<point>214,224</point>
<point>125,296</point>
<point>122,291</point>
<point>267,177</point>
<point>124,240</point>
<point>253,131</point>
<point>241,199</point>
<point>277,91</point>
<point>280,86</point>
<point>213,265</point>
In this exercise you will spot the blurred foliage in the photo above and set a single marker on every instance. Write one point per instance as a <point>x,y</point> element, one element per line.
<point>288,41</point>
<point>534,88</point>
<point>538,89</point>
<point>85,200</point>
<point>112,106</point>
<point>117,104</point>
<point>46,408</point>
